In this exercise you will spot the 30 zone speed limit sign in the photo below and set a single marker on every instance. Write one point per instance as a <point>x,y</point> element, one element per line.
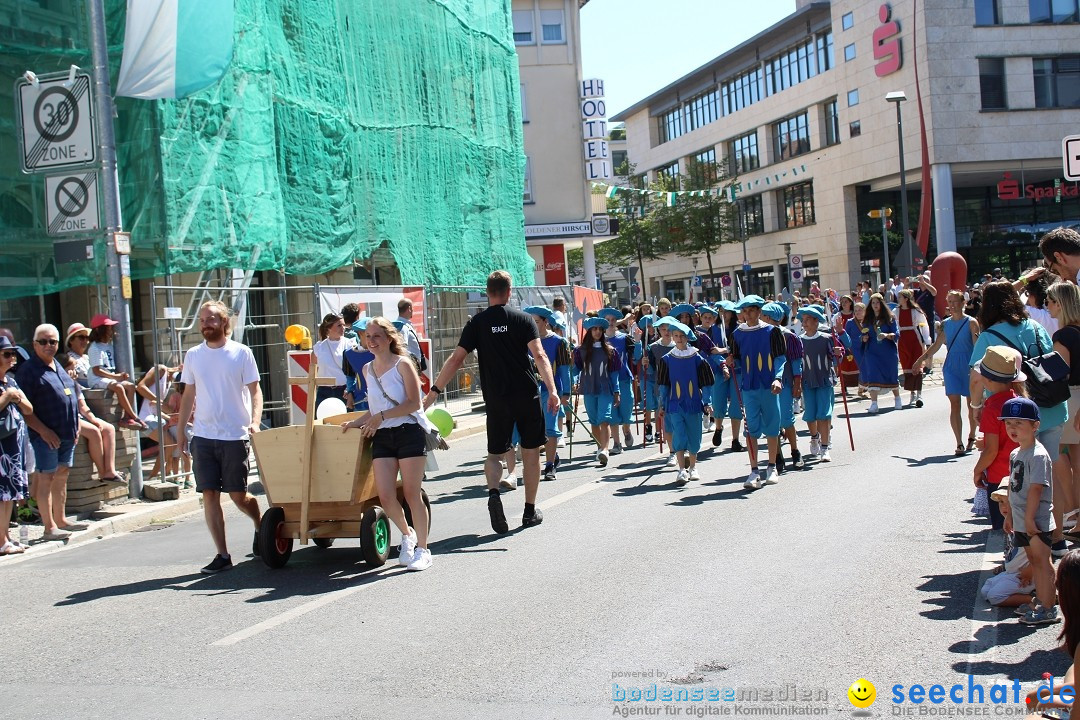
<point>56,123</point>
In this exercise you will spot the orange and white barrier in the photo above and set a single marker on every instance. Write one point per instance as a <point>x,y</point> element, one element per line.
<point>299,364</point>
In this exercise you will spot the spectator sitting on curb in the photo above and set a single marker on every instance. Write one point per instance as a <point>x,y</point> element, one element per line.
<point>100,435</point>
<point>105,376</point>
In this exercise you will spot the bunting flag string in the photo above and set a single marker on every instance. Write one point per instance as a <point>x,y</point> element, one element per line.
<point>730,191</point>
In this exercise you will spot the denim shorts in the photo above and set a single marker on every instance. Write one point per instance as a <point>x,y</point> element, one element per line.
<point>220,465</point>
<point>46,459</point>
<point>399,442</point>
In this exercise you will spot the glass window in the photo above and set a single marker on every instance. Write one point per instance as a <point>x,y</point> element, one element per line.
<point>847,21</point>
<point>703,169</point>
<point>528,196</point>
<point>791,137</point>
<point>992,83</point>
<point>671,172</point>
<point>743,154</point>
<point>1054,11</point>
<point>1057,81</point>
<point>986,12</point>
<point>749,216</point>
<point>742,91</point>
<point>849,52</point>
<point>702,109</point>
<point>854,128</point>
<point>832,124</point>
<point>797,205</point>
<point>671,124</point>
<point>800,63</point>
<point>551,27</point>
<point>853,97</point>
<point>523,27</point>
<point>524,106</point>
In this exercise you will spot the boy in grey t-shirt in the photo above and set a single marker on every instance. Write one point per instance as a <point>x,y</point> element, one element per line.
<point>1030,506</point>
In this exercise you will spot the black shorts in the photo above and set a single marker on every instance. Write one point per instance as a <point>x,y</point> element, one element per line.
<point>505,413</point>
<point>400,442</point>
<point>1024,539</point>
<point>220,465</point>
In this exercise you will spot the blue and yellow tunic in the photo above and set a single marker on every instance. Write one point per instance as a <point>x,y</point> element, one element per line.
<point>681,375</point>
<point>760,354</point>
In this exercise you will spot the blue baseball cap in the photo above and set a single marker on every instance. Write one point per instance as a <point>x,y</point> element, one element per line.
<point>590,323</point>
<point>773,310</point>
<point>1019,408</point>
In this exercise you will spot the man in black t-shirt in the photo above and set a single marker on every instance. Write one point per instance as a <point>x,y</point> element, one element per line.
<point>503,338</point>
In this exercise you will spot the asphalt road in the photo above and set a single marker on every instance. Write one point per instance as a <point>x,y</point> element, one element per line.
<point>865,567</point>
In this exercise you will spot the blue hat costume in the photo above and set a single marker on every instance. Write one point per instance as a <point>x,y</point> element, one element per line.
<point>610,312</point>
<point>597,322</point>
<point>812,312</point>
<point>706,310</point>
<point>361,324</point>
<point>682,308</point>
<point>750,301</point>
<point>726,305</point>
<point>773,311</point>
<point>540,311</point>
<point>648,320</point>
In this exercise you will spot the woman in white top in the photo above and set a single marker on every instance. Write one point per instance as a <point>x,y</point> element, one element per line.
<point>393,422</point>
<point>330,350</point>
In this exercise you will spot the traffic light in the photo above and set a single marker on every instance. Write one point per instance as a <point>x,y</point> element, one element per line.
<point>876,214</point>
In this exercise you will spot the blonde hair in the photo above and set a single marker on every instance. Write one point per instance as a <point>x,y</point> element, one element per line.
<point>1067,296</point>
<point>221,310</point>
<point>397,344</point>
<point>663,303</point>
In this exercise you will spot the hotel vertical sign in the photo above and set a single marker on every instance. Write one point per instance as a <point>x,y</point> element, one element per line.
<point>594,130</point>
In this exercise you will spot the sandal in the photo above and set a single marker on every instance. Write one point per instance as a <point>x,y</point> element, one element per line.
<point>10,548</point>
<point>959,451</point>
<point>970,444</point>
<point>1069,520</point>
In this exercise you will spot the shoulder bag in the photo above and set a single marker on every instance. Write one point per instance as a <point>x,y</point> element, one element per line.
<point>432,439</point>
<point>9,421</point>
<point>1047,374</point>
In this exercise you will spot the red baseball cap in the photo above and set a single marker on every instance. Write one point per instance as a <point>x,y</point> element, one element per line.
<point>102,319</point>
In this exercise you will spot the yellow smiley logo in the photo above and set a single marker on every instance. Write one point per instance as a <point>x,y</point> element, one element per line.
<point>862,693</point>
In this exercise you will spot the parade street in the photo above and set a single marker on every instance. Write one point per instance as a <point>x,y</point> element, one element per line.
<point>867,567</point>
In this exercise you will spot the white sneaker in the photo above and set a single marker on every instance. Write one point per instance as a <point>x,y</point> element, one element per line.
<point>898,403</point>
<point>601,457</point>
<point>694,474</point>
<point>561,442</point>
<point>911,400</point>
<point>408,548</point>
<point>671,460</point>
<point>510,482</point>
<point>815,446</point>
<point>770,475</point>
<point>422,560</point>
<point>706,422</point>
<point>873,407</point>
<point>825,456</point>
<point>753,481</point>
<point>682,478</point>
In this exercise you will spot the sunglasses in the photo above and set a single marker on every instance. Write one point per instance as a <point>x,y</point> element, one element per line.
<point>9,354</point>
<point>47,341</point>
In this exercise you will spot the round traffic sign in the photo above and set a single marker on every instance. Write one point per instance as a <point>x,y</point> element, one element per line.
<point>796,275</point>
<point>795,261</point>
<point>71,197</point>
<point>725,280</point>
<point>56,114</point>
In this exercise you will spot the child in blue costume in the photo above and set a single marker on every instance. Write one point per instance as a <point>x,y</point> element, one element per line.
<point>558,351</point>
<point>624,413</point>
<point>682,375</point>
<point>657,350</point>
<point>776,314</point>
<point>649,335</point>
<point>725,399</point>
<point>758,356</point>
<point>820,354</point>
<point>598,365</point>
<point>355,382</point>
<point>716,356</point>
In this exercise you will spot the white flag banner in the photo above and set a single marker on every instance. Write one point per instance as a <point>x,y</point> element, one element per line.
<point>173,48</point>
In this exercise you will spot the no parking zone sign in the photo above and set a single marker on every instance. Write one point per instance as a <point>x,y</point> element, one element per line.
<point>71,203</point>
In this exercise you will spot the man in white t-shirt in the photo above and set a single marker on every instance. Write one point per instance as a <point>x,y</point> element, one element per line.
<point>222,376</point>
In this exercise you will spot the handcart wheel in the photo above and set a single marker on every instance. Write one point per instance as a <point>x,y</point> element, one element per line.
<point>274,548</point>
<point>408,512</point>
<point>323,542</point>
<point>375,536</point>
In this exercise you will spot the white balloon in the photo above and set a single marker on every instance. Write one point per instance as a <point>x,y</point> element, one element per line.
<point>330,407</point>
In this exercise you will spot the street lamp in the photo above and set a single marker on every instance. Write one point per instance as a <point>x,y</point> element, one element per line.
<point>898,96</point>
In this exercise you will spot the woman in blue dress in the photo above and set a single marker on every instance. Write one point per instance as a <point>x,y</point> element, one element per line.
<point>13,403</point>
<point>879,352</point>
<point>958,333</point>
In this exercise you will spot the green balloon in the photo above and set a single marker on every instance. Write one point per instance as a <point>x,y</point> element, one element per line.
<point>442,420</point>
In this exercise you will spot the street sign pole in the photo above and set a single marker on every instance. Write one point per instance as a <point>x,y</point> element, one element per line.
<point>110,188</point>
<point>885,244</point>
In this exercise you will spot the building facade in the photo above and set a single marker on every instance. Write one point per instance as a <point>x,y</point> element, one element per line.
<point>558,208</point>
<point>799,114</point>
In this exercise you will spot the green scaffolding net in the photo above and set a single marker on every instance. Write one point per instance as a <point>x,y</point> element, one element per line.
<point>341,127</point>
